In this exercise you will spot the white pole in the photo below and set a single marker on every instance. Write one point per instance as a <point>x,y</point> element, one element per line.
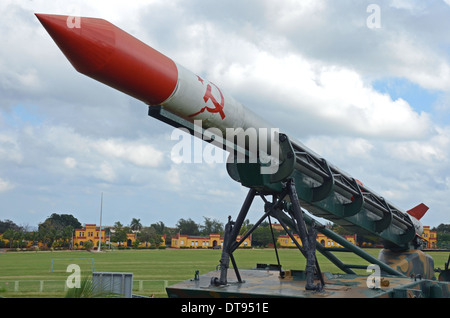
<point>100,235</point>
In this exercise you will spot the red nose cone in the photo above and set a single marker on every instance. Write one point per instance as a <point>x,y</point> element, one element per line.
<point>106,53</point>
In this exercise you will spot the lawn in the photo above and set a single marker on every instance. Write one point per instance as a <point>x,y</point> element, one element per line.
<point>28,274</point>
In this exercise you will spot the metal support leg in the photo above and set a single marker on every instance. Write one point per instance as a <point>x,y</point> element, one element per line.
<point>231,232</point>
<point>308,240</point>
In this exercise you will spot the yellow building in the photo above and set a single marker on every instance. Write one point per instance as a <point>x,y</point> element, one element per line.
<point>131,239</point>
<point>286,241</point>
<point>211,241</point>
<point>89,233</point>
<point>430,237</point>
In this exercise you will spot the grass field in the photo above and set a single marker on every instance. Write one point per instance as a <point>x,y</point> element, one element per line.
<point>28,274</point>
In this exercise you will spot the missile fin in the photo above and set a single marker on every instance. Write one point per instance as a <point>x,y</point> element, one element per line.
<point>419,211</point>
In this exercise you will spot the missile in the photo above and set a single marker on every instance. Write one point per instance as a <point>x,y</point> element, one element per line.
<point>106,53</point>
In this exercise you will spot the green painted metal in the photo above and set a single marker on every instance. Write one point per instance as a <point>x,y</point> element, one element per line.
<point>348,246</point>
<point>328,193</point>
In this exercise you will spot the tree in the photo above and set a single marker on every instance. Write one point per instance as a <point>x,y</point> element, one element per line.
<point>443,235</point>
<point>67,235</point>
<point>135,224</point>
<point>159,227</point>
<point>9,235</point>
<point>442,228</point>
<point>262,236</point>
<point>58,229</point>
<point>246,226</point>
<point>119,236</point>
<point>60,221</point>
<point>32,236</point>
<point>19,237</point>
<point>8,224</point>
<point>120,233</point>
<point>188,227</point>
<point>211,226</point>
<point>88,245</point>
<point>150,235</point>
<point>162,230</point>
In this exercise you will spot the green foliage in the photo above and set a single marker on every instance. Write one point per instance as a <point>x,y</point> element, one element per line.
<point>87,289</point>
<point>150,235</point>
<point>443,235</point>
<point>88,245</point>
<point>8,224</point>
<point>262,236</point>
<point>211,226</point>
<point>188,227</point>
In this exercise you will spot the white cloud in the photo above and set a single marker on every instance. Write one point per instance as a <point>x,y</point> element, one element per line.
<point>413,6</point>
<point>61,151</point>
<point>342,148</point>
<point>70,163</point>
<point>292,12</point>
<point>106,172</point>
<point>5,185</point>
<point>306,66</point>
<point>330,94</point>
<point>173,176</point>
<point>135,152</point>
<point>9,149</point>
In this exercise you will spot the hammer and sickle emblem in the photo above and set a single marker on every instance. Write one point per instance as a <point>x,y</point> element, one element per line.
<point>218,107</point>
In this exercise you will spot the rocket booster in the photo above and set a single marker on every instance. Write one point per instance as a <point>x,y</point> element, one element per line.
<point>106,53</point>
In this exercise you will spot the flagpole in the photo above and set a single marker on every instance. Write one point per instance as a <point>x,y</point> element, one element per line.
<point>100,236</point>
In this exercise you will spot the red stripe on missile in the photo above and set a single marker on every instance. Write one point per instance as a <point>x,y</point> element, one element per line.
<point>104,52</point>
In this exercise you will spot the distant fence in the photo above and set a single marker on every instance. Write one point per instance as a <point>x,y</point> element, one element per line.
<point>55,286</point>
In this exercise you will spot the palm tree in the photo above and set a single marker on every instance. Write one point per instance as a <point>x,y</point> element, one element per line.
<point>136,225</point>
<point>118,226</point>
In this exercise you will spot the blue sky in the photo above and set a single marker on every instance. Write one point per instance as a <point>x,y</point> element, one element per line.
<point>373,101</point>
<point>420,99</point>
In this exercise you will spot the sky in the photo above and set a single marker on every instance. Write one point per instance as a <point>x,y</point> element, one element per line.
<point>365,84</point>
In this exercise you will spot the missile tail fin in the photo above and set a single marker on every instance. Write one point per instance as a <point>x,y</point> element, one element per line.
<point>419,211</point>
